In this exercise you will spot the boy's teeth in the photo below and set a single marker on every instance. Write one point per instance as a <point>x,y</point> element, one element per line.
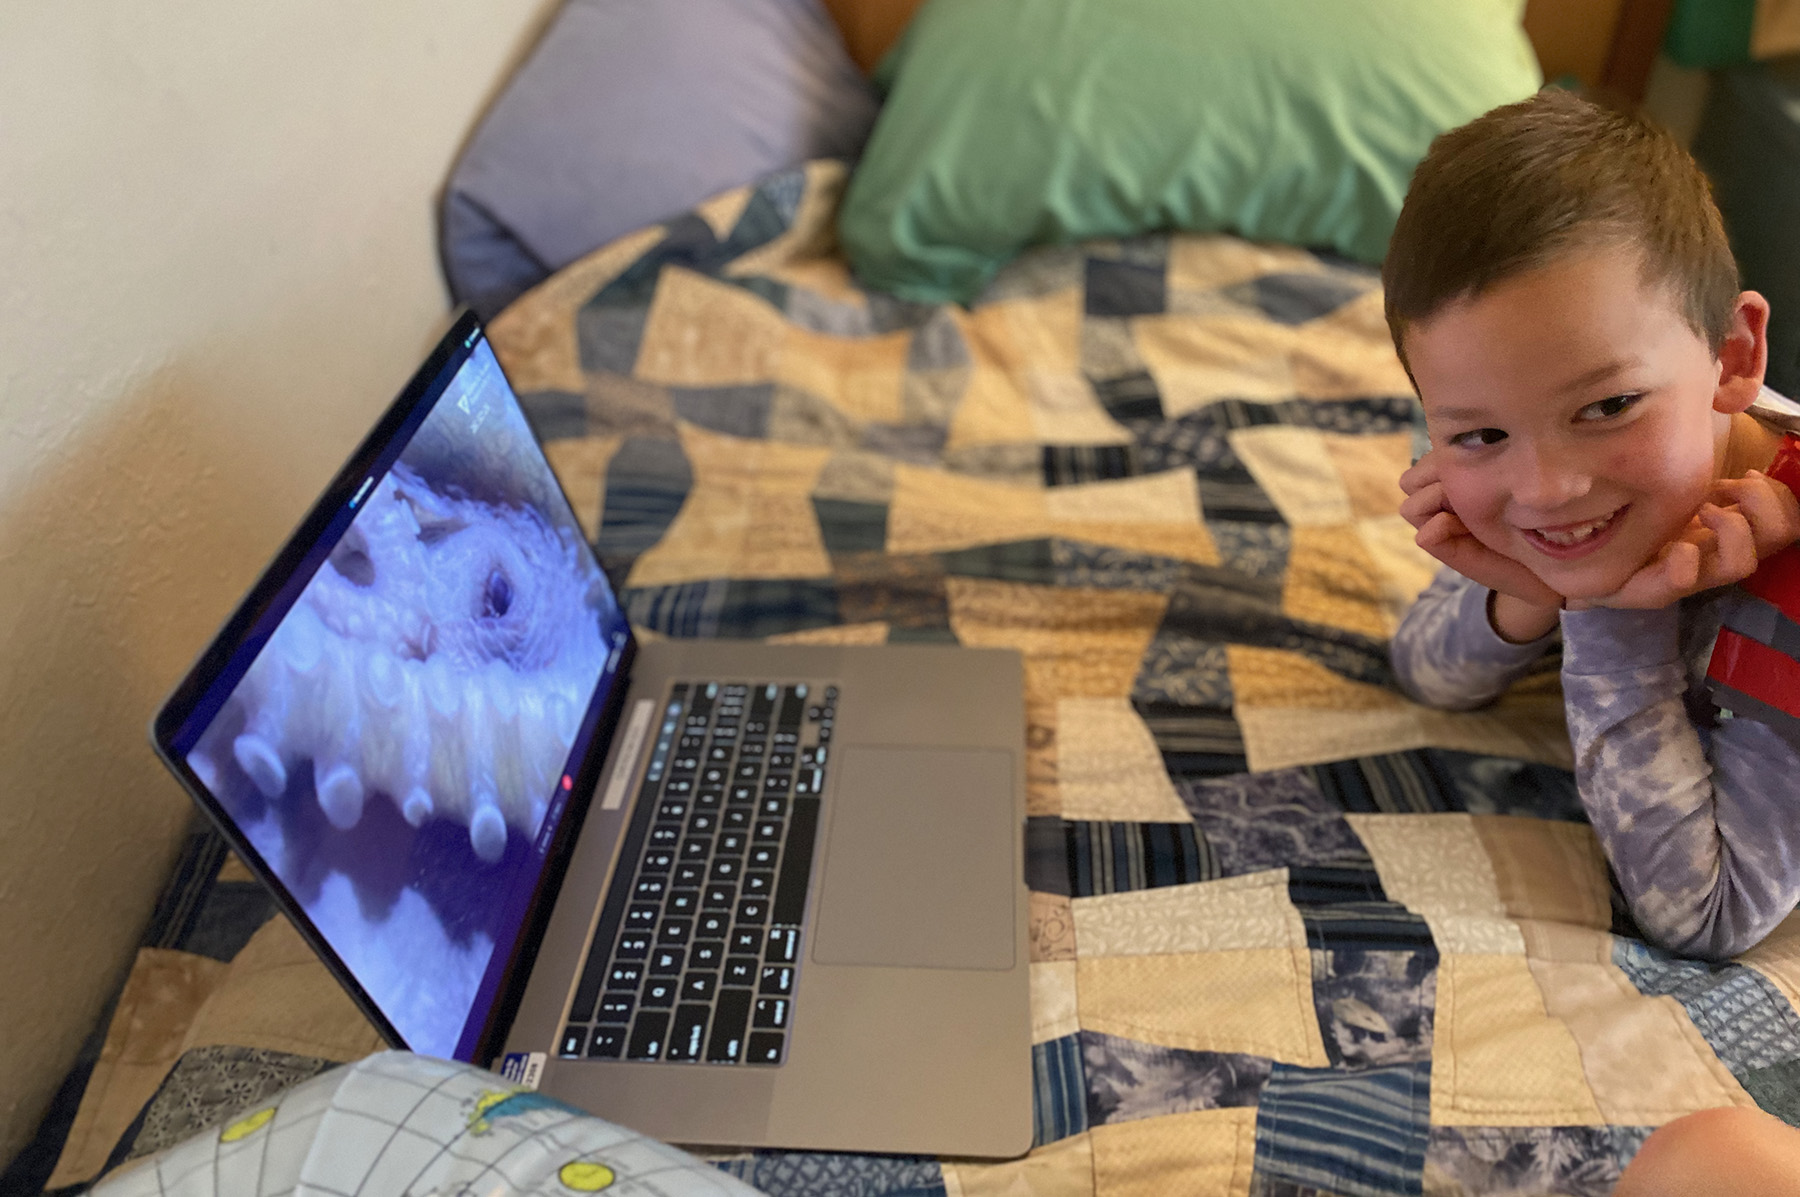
<point>1577,534</point>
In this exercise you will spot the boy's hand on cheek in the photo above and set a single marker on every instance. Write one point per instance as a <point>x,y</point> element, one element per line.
<point>1445,537</point>
<point>1743,520</point>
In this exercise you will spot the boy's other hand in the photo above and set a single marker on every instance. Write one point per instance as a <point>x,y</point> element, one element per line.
<point>1445,537</point>
<point>1743,520</point>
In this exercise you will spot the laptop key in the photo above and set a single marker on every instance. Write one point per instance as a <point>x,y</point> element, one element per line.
<point>763,856</point>
<point>777,980</point>
<point>616,1007</point>
<point>688,875</point>
<point>624,976</point>
<point>574,1042</point>
<point>765,1047</point>
<point>641,916</point>
<point>674,931</point>
<point>660,993</point>
<point>746,940</point>
<point>699,987</point>
<point>687,1038</point>
<point>719,897</point>
<point>740,970</point>
<point>758,885</point>
<point>707,955</point>
<point>796,863</point>
<point>711,925</point>
<point>753,910</point>
<point>772,1012</point>
<point>667,962</point>
<point>683,901</point>
<point>633,945</point>
<point>608,1043</point>
<point>784,945</point>
<point>658,861</point>
<point>726,1044</point>
<point>648,1035</point>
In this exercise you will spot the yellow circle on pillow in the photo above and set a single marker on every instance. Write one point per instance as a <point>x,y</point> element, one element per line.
<point>585,1176</point>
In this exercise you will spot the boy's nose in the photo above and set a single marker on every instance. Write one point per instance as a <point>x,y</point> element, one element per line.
<point>1548,477</point>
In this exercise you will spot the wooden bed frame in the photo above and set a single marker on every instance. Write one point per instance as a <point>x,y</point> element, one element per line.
<point>1609,45</point>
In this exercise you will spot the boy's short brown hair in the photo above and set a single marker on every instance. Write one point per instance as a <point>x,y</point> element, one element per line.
<point>1524,184</point>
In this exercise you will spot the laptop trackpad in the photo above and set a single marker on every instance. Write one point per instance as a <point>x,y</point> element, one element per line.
<point>918,868</point>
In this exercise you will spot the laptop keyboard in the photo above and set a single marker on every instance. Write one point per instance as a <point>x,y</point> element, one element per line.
<point>694,957</point>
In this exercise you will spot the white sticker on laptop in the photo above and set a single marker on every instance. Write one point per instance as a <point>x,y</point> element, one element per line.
<point>625,764</point>
<point>524,1069</point>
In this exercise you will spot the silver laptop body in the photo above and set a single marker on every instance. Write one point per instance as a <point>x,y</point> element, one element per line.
<point>831,955</point>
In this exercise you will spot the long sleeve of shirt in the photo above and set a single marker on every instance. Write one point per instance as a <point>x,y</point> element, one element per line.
<point>1701,824</point>
<point>1446,653</point>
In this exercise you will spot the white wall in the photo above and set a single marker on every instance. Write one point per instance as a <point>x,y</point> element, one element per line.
<point>216,264</point>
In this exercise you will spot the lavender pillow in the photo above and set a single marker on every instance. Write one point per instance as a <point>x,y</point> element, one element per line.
<point>632,111</point>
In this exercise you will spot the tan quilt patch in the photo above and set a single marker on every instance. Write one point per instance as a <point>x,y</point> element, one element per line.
<point>705,333</point>
<point>1064,1168</point>
<point>1210,1152</point>
<point>1497,1057</point>
<point>1438,867</point>
<point>748,515</point>
<point>1332,580</point>
<point>1231,914</point>
<point>1108,765</point>
<point>1256,1001</point>
<point>1642,1056</point>
<point>1549,870</point>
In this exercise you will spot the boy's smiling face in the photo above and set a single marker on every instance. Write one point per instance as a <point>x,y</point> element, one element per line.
<point>1575,417</point>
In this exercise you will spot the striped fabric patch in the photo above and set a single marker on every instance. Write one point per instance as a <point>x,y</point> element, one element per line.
<point>1395,783</point>
<point>684,609</point>
<point>1110,858</point>
<point>1058,1090</point>
<point>1366,926</point>
<point>1067,465</point>
<point>1358,1134</point>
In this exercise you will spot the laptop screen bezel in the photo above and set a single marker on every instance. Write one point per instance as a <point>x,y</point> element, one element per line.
<point>281,581</point>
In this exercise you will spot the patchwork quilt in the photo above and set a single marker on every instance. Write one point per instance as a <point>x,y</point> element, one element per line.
<point>1291,933</point>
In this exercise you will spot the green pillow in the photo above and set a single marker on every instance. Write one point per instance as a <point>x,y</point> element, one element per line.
<point>1010,123</point>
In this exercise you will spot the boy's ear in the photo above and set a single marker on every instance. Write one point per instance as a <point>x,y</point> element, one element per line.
<point>1744,356</point>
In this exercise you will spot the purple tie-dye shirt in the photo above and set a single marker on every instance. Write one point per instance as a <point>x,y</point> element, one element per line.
<point>1701,823</point>
<point>1699,817</point>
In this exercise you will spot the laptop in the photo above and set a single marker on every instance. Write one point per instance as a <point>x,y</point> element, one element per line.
<point>722,893</point>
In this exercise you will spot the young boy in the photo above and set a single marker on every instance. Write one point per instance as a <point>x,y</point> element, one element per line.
<point>1561,291</point>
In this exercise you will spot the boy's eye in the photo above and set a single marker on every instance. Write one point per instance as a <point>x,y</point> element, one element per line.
<point>1606,409</point>
<point>1477,438</point>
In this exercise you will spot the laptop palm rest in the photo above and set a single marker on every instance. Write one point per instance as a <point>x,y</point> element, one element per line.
<point>917,872</point>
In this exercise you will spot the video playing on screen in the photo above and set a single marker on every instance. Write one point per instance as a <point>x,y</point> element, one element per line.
<point>393,749</point>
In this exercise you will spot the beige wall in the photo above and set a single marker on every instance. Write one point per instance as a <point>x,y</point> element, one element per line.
<point>216,264</point>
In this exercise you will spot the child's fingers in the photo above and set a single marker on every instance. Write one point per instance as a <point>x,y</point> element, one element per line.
<point>1421,473</point>
<point>1733,554</point>
<point>1681,568</point>
<point>1439,529</point>
<point>1771,508</point>
<point>1418,507</point>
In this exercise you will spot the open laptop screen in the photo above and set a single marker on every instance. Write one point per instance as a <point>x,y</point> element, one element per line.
<point>396,734</point>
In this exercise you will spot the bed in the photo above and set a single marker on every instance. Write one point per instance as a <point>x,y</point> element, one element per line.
<point>1291,933</point>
